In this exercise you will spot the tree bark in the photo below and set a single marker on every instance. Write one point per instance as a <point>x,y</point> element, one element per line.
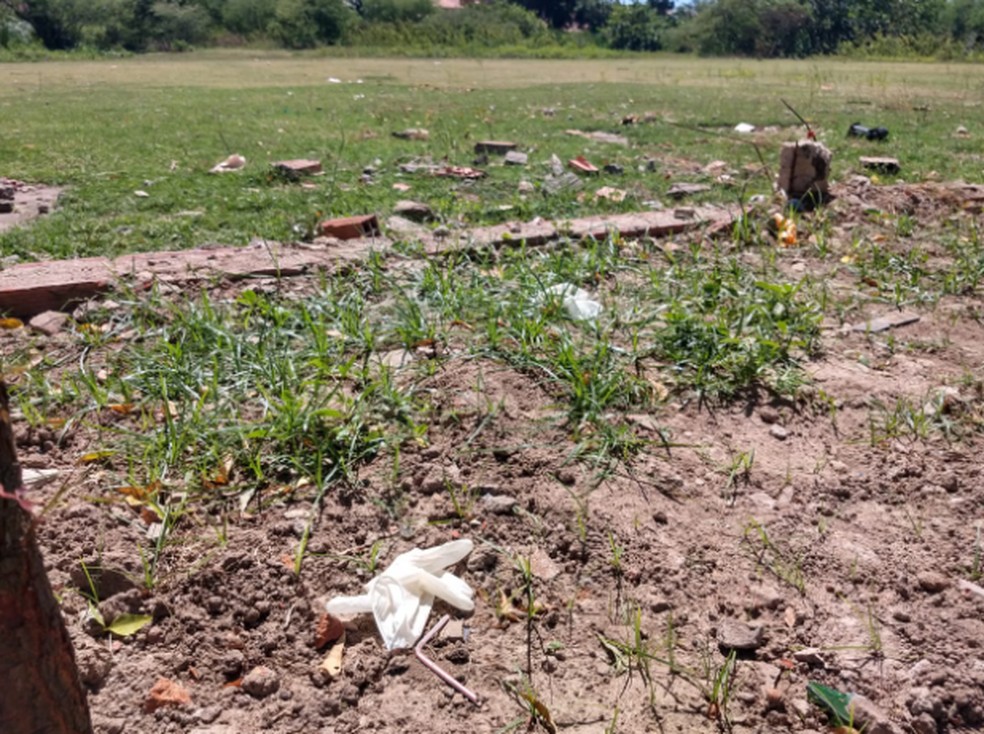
<point>41,691</point>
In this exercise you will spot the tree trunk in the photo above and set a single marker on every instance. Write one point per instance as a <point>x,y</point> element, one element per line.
<point>41,691</point>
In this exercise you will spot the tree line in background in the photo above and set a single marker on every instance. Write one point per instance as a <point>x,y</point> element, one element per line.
<point>759,28</point>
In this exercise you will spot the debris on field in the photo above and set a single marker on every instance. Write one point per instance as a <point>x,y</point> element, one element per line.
<point>35,478</point>
<point>583,165</point>
<point>515,158</point>
<point>418,652</point>
<point>141,194</point>
<point>577,302</point>
<point>735,635</point>
<point>49,323</point>
<point>962,132</point>
<point>835,703</point>
<point>328,630</point>
<point>784,229</point>
<point>564,182</point>
<point>295,169</point>
<point>401,597</point>
<point>880,164</point>
<point>412,133</point>
<point>857,130</point>
<point>803,171</point>
<point>610,193</point>
<point>350,228</point>
<point>459,172</point>
<point>884,323</point>
<point>234,162</point>
<point>166,692</point>
<point>413,210</point>
<point>261,682</point>
<point>681,190</point>
<point>600,137</point>
<point>614,168</point>
<point>630,119</point>
<point>332,663</point>
<point>525,187</point>
<point>401,187</point>
<point>744,128</point>
<point>7,191</point>
<point>495,147</point>
<point>971,588</point>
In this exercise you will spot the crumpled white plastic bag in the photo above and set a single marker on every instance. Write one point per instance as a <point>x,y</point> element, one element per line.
<point>577,302</point>
<point>401,597</point>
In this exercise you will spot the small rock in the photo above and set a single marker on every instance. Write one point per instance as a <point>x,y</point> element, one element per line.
<point>962,132</point>
<point>166,692</point>
<point>439,478</point>
<point>49,323</point>
<point>871,719</point>
<point>413,210</point>
<point>106,725</point>
<point>94,663</point>
<point>777,431</point>
<point>924,724</point>
<point>933,581</point>
<point>515,158</point>
<point>735,635</point>
<point>810,656</point>
<point>680,190</point>
<point>774,699</point>
<point>208,714</point>
<point>769,415</point>
<point>499,504</point>
<point>614,169</point>
<point>412,133</point>
<point>526,187</point>
<point>261,682</point>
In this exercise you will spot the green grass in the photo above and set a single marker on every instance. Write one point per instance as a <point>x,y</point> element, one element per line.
<point>108,128</point>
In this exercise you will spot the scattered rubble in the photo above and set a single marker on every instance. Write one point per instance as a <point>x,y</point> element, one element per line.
<point>583,165</point>
<point>515,158</point>
<point>880,164</point>
<point>234,162</point>
<point>297,168</point>
<point>350,228</point>
<point>803,170</point>
<point>413,210</point>
<point>412,133</point>
<point>857,130</point>
<point>495,147</point>
<point>600,137</point>
<point>682,190</point>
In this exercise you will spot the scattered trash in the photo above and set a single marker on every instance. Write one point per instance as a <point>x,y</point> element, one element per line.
<point>526,187</point>
<point>600,136</point>
<point>803,171</point>
<point>583,165</point>
<point>496,147</point>
<point>334,80</point>
<point>234,162</point>
<point>614,169</point>
<point>857,130</point>
<point>744,128</point>
<point>880,164</point>
<point>459,172</point>
<point>350,228</point>
<point>400,598</point>
<point>412,133</point>
<point>294,169</point>
<point>140,194</point>
<point>332,664</point>
<point>418,651</point>
<point>970,587</point>
<point>630,119</point>
<point>515,158</point>
<point>681,190</point>
<point>962,132</point>
<point>577,302</point>
<point>611,194</point>
<point>784,230</point>
<point>329,629</point>
<point>49,323</point>
<point>402,187</point>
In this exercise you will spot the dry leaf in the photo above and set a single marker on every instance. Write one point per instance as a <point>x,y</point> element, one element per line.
<point>93,456</point>
<point>332,664</point>
<point>121,408</point>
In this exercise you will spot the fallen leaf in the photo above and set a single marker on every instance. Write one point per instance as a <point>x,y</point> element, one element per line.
<point>93,456</point>
<point>121,408</point>
<point>129,624</point>
<point>541,711</point>
<point>332,664</point>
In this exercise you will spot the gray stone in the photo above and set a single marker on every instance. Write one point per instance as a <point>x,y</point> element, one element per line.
<point>880,164</point>
<point>810,656</point>
<point>869,718</point>
<point>261,682</point>
<point>515,158</point>
<point>413,210</point>
<point>499,504</point>
<point>777,431</point>
<point>735,635</point>
<point>884,323</point>
<point>803,169</point>
<point>924,724</point>
<point>49,323</point>
<point>680,190</point>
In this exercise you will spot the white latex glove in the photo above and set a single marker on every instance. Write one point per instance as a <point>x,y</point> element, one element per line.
<point>400,598</point>
<point>577,302</point>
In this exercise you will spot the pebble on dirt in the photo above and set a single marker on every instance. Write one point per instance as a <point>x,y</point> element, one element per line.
<point>735,635</point>
<point>777,431</point>
<point>933,582</point>
<point>49,323</point>
<point>261,682</point>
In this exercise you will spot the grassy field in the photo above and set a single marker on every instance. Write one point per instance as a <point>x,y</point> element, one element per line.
<point>726,440</point>
<point>157,124</point>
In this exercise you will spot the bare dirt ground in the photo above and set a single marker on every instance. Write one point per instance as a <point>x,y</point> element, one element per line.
<point>785,531</point>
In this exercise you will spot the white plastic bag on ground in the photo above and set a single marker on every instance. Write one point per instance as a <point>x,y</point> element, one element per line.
<point>577,302</point>
<point>401,597</point>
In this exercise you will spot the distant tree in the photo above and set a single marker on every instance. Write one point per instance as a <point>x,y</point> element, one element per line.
<point>306,23</point>
<point>592,14</point>
<point>248,17</point>
<point>663,7</point>
<point>57,23</point>
<point>635,28</point>
<point>558,13</point>
<point>396,11</point>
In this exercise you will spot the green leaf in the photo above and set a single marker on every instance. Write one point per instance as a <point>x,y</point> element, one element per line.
<point>835,703</point>
<point>129,624</point>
